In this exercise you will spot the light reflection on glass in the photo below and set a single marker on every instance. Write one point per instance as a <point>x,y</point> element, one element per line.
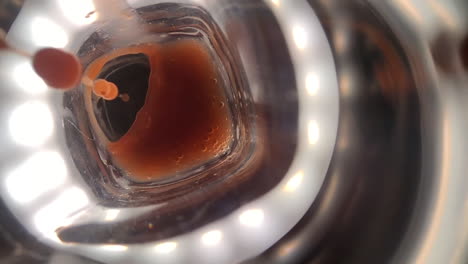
<point>31,124</point>
<point>39,174</point>
<point>346,83</point>
<point>112,214</point>
<point>288,248</point>
<point>444,14</point>
<point>300,37</point>
<point>276,2</point>
<point>46,33</point>
<point>407,6</point>
<point>252,217</point>
<point>27,79</point>
<point>166,247</point>
<point>55,214</point>
<point>294,182</point>
<point>312,83</point>
<point>211,238</point>
<point>79,12</point>
<point>313,132</point>
<point>115,248</point>
<point>341,39</point>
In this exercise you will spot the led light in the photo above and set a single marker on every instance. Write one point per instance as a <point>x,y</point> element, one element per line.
<point>46,33</point>
<point>313,132</point>
<point>39,174</point>
<point>294,182</point>
<point>252,218</point>
<point>115,248</point>
<point>28,80</point>
<point>31,124</point>
<point>312,83</point>
<point>55,214</point>
<point>112,214</point>
<point>211,238</point>
<point>166,247</point>
<point>300,37</point>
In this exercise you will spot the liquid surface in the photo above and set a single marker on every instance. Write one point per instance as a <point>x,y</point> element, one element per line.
<point>185,119</point>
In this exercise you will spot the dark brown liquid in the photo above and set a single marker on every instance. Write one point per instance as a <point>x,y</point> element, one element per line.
<point>185,119</point>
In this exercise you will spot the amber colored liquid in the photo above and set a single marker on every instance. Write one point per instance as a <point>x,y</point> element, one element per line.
<point>185,119</point>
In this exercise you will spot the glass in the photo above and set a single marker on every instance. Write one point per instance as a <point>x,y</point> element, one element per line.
<point>343,132</point>
<point>99,206</point>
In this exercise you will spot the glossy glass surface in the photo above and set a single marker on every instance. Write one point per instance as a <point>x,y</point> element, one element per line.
<point>349,143</point>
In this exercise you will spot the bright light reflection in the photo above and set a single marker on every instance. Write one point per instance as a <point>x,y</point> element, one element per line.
<point>28,80</point>
<point>312,84</point>
<point>346,83</point>
<point>112,214</point>
<point>300,37</point>
<point>166,247</point>
<point>211,238</point>
<point>115,248</point>
<point>410,9</point>
<point>46,33</point>
<point>276,2</point>
<point>445,15</point>
<point>39,174</point>
<point>252,218</point>
<point>313,132</point>
<point>31,124</point>
<point>294,182</point>
<point>79,11</point>
<point>288,248</point>
<point>55,214</point>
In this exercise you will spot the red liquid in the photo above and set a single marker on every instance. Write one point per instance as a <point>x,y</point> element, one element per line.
<point>185,119</point>
<point>59,69</point>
